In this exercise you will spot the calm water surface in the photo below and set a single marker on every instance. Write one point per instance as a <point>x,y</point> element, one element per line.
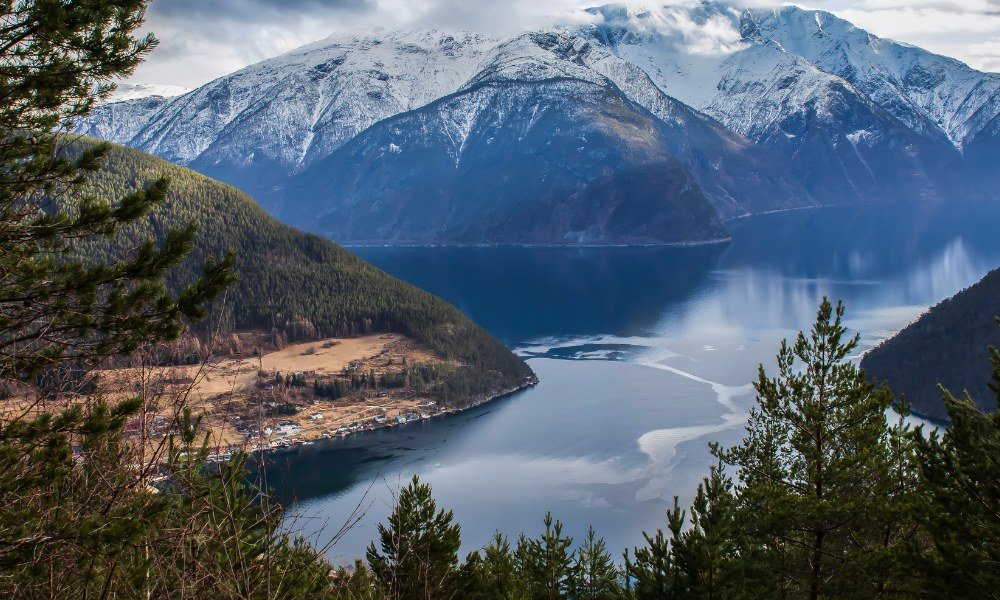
<point>644,354</point>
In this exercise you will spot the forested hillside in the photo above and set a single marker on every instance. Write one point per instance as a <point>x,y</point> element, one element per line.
<point>297,285</point>
<point>947,346</point>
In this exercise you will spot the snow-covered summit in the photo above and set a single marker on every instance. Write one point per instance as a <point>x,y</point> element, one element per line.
<point>913,84</point>
<point>689,50</point>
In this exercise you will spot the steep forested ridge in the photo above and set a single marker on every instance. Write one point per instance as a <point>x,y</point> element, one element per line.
<point>947,346</point>
<point>299,285</point>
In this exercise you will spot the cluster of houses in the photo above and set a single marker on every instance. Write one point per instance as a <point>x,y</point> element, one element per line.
<point>286,434</point>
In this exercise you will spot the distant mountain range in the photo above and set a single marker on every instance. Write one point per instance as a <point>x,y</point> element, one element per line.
<point>622,130</point>
<point>946,346</point>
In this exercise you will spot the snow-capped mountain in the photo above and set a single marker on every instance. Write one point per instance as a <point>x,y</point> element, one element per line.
<point>929,93</point>
<point>425,136</point>
<point>283,113</point>
<point>921,89</point>
<point>842,105</point>
<point>538,147</point>
<point>507,161</point>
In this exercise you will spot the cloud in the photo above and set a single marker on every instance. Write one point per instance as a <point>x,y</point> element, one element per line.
<point>694,30</point>
<point>962,6</point>
<point>249,10</point>
<point>909,22</point>
<point>497,17</point>
<point>984,56</point>
<point>204,39</point>
<point>968,30</point>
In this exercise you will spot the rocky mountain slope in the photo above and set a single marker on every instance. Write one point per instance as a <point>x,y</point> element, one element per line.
<point>746,111</point>
<point>561,161</point>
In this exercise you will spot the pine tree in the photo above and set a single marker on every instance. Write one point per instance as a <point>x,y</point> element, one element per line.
<point>492,573</point>
<point>79,516</point>
<point>891,526</point>
<point>654,571</point>
<point>960,475</point>
<point>219,536</point>
<point>707,551</point>
<point>356,584</point>
<point>417,557</point>
<point>594,575</point>
<point>544,564</point>
<point>59,58</point>
<point>72,505</point>
<point>813,455</point>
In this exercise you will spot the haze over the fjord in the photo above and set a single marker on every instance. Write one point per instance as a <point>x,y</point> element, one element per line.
<point>204,40</point>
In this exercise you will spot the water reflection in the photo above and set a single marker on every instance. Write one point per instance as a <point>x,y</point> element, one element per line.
<point>645,355</point>
<point>525,293</point>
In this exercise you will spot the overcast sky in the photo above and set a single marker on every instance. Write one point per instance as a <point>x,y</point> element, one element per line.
<point>204,39</point>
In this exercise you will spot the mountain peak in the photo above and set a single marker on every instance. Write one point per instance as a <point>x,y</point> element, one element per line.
<point>610,13</point>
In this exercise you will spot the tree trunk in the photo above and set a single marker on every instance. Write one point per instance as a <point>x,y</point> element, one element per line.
<point>816,567</point>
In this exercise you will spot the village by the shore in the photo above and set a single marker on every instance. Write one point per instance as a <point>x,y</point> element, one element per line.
<point>281,398</point>
<point>300,394</point>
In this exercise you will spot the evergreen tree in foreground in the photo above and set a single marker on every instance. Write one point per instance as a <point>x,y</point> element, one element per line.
<point>813,470</point>
<point>58,58</point>
<point>707,552</point>
<point>703,559</point>
<point>84,511</point>
<point>652,573</point>
<point>594,575</point>
<point>960,474</point>
<point>417,556</point>
<point>545,563</point>
<point>491,574</point>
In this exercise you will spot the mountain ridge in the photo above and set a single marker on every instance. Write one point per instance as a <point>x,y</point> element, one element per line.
<point>774,119</point>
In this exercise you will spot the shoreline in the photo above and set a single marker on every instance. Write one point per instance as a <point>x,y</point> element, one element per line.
<point>280,445</point>
<point>779,211</point>
<point>690,244</point>
<point>304,392</point>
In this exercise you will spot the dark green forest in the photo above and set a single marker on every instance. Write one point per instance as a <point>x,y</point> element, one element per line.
<point>298,285</point>
<point>944,346</point>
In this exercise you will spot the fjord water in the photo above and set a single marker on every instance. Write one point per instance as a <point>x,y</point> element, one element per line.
<point>645,355</point>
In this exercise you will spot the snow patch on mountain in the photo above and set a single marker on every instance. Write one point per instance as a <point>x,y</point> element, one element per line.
<point>763,85</point>
<point>681,48</point>
<point>134,91</point>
